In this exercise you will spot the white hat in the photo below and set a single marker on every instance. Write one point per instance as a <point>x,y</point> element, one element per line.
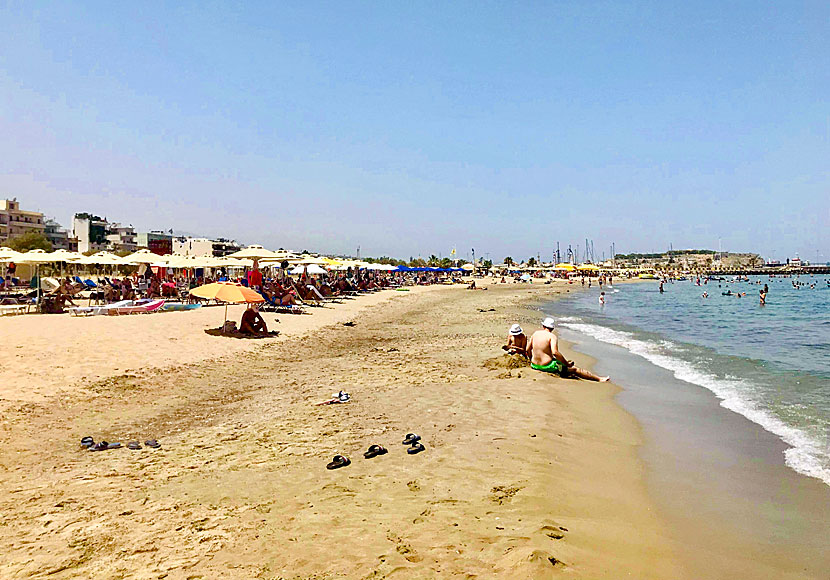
<point>548,323</point>
<point>516,330</point>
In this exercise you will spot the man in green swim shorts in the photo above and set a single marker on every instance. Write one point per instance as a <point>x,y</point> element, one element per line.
<point>543,350</point>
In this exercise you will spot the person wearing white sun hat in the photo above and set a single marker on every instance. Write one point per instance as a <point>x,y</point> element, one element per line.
<point>545,356</point>
<point>516,341</point>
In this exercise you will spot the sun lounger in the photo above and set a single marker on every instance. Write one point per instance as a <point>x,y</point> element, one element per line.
<point>98,310</point>
<point>140,307</point>
<point>11,309</point>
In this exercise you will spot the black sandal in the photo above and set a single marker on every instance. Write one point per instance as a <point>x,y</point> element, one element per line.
<point>100,446</point>
<point>152,443</point>
<point>87,441</point>
<point>417,447</point>
<point>374,451</point>
<point>337,462</point>
<point>411,438</point>
<point>134,445</point>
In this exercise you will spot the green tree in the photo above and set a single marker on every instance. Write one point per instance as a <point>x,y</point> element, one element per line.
<point>531,261</point>
<point>508,260</point>
<point>29,241</point>
<point>487,264</point>
<point>432,260</point>
<point>446,263</point>
<point>417,263</point>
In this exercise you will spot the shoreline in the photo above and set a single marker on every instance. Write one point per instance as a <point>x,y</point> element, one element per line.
<point>753,515</point>
<point>524,475</point>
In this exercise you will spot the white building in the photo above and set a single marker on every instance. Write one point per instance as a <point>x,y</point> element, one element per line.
<point>204,247</point>
<point>95,234</point>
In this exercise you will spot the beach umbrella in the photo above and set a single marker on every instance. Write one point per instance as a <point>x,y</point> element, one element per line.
<point>591,267</point>
<point>228,292</point>
<point>565,266</point>
<point>36,257</point>
<point>143,256</point>
<point>101,259</point>
<point>311,269</point>
<point>9,255</point>
<point>255,252</point>
<point>64,256</point>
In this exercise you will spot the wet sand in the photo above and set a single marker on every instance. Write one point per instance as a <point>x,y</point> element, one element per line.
<point>524,475</point>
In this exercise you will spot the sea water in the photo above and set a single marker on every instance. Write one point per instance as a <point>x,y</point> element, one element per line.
<point>769,363</point>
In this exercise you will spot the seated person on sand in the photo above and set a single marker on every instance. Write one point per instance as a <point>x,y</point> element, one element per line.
<point>252,322</point>
<point>516,341</point>
<point>543,350</point>
<point>472,285</point>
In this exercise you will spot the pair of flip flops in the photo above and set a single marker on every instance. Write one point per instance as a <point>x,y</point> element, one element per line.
<point>91,445</point>
<point>414,442</point>
<point>341,461</point>
<point>135,445</point>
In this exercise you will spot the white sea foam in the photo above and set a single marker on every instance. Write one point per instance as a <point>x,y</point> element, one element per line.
<point>807,455</point>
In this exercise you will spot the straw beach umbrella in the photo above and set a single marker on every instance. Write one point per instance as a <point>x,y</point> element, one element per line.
<point>228,292</point>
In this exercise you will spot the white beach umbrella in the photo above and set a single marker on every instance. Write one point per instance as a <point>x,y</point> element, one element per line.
<point>9,255</point>
<point>255,252</point>
<point>64,256</point>
<point>143,256</point>
<point>310,269</point>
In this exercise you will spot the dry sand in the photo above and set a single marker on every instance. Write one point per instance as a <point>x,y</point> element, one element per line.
<point>525,475</point>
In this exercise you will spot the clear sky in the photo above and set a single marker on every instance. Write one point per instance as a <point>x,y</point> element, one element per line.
<point>411,128</point>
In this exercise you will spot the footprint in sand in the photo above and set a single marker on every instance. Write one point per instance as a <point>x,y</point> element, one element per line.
<point>413,486</point>
<point>553,531</point>
<point>423,517</point>
<point>502,494</point>
<point>542,557</point>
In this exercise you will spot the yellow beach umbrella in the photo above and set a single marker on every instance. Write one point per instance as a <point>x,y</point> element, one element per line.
<point>592,267</point>
<point>228,292</point>
<point>566,266</point>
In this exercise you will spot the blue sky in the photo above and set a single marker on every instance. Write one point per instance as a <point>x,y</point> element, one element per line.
<point>410,130</point>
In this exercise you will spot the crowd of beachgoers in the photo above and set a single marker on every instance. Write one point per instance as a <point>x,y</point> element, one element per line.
<point>145,287</point>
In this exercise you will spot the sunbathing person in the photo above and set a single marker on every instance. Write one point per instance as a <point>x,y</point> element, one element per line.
<point>252,322</point>
<point>516,341</point>
<point>543,350</point>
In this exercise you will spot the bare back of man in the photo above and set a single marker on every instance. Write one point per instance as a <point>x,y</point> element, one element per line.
<point>545,356</point>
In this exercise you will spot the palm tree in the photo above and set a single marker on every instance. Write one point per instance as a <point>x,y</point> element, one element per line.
<point>432,260</point>
<point>508,261</point>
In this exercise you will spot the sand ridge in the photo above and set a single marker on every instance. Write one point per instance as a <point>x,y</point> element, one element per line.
<point>524,476</point>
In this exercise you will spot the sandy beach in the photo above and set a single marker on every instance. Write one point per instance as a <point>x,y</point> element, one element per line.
<point>524,475</point>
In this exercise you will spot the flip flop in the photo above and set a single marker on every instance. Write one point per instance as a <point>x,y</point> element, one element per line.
<point>100,446</point>
<point>411,438</point>
<point>374,451</point>
<point>416,448</point>
<point>152,443</point>
<point>337,462</point>
<point>133,445</point>
<point>87,441</point>
<point>113,446</point>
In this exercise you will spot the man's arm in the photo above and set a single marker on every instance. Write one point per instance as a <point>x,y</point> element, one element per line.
<point>529,347</point>
<point>554,343</point>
